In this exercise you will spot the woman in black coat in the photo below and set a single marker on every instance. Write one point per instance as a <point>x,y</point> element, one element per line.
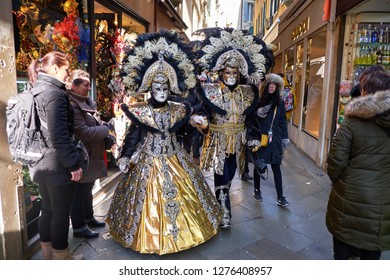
<point>60,168</point>
<point>269,119</point>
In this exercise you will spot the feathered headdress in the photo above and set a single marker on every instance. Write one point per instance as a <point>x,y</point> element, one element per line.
<point>156,53</point>
<point>235,48</point>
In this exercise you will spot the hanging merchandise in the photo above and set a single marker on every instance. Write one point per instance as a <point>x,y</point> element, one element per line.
<point>45,26</point>
<point>122,43</point>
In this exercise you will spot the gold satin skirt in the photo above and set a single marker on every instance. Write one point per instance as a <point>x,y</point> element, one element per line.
<point>162,206</point>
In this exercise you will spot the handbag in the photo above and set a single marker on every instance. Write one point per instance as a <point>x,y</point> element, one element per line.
<point>259,164</point>
<point>83,155</point>
<point>109,141</point>
<point>265,139</point>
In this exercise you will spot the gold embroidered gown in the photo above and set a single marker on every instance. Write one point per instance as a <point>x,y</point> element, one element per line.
<point>164,204</point>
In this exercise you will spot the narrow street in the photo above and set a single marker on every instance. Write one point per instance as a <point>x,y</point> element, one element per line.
<point>260,230</point>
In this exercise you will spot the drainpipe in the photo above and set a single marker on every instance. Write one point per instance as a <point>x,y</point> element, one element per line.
<point>326,122</point>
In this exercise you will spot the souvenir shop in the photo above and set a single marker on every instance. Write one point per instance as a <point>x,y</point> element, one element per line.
<point>366,38</point>
<point>96,35</point>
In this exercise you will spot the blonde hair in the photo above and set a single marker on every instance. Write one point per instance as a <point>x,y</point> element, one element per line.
<point>76,77</point>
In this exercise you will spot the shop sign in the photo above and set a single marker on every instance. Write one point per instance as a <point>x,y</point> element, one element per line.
<point>300,29</point>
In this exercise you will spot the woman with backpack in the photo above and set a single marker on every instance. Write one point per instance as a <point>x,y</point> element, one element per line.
<point>60,168</point>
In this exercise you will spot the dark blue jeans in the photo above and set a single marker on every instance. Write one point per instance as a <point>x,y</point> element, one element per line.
<point>82,206</point>
<point>53,223</point>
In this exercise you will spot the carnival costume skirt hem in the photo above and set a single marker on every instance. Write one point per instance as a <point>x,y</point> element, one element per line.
<point>163,206</point>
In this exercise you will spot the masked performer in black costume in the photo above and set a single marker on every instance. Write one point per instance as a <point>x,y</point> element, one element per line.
<point>241,61</point>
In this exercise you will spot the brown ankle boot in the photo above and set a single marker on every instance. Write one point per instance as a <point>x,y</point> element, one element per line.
<point>66,254</point>
<point>47,252</point>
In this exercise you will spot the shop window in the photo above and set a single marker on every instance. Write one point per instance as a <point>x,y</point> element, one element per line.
<point>298,83</point>
<point>315,64</point>
<point>130,25</point>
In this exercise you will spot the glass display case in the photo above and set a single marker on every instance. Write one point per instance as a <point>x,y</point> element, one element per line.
<point>371,45</point>
<point>367,42</point>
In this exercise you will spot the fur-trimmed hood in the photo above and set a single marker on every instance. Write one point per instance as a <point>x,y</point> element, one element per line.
<point>273,78</point>
<point>375,106</point>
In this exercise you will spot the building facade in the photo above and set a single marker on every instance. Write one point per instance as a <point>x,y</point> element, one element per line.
<point>316,47</point>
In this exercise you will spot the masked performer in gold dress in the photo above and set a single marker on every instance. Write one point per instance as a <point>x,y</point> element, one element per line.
<point>241,61</point>
<point>163,204</point>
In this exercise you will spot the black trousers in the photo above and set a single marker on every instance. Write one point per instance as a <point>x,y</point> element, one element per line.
<point>197,143</point>
<point>82,205</point>
<point>277,179</point>
<point>53,223</point>
<point>222,182</point>
<point>343,251</point>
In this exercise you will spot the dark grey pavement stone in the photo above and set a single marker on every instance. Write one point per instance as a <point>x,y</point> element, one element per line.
<point>260,230</point>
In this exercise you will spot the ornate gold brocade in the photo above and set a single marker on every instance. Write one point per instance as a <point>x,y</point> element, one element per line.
<point>164,204</point>
<point>227,132</point>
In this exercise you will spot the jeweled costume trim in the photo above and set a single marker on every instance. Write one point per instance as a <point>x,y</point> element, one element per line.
<point>226,133</point>
<point>164,204</point>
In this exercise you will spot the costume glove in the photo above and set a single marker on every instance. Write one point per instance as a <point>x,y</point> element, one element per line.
<point>285,143</point>
<point>199,121</point>
<point>123,164</point>
<point>262,111</point>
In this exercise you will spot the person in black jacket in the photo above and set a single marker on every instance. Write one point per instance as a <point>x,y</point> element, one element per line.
<point>89,129</point>
<point>60,168</point>
<point>269,119</point>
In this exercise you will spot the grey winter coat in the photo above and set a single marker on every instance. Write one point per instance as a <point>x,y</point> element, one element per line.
<point>61,156</point>
<point>358,211</point>
<point>92,134</point>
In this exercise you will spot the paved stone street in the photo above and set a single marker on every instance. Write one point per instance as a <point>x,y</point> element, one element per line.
<point>260,230</point>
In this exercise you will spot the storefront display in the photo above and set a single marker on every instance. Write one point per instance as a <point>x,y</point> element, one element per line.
<point>367,43</point>
<point>371,46</point>
<point>104,34</point>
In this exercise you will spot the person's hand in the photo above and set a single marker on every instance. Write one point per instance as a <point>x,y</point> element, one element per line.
<point>253,145</point>
<point>285,143</point>
<point>123,164</point>
<point>263,111</point>
<point>199,121</point>
<point>76,175</point>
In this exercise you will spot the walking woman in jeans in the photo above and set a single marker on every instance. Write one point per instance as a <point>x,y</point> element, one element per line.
<point>59,170</point>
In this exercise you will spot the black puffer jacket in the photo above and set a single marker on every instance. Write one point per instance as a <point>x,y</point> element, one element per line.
<point>61,156</point>
<point>273,153</point>
<point>359,166</point>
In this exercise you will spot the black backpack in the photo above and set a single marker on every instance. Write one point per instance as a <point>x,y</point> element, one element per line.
<point>26,142</point>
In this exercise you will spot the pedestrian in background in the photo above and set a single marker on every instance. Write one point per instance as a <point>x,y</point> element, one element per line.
<point>89,129</point>
<point>358,212</point>
<point>60,168</point>
<point>270,119</point>
<point>288,97</point>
